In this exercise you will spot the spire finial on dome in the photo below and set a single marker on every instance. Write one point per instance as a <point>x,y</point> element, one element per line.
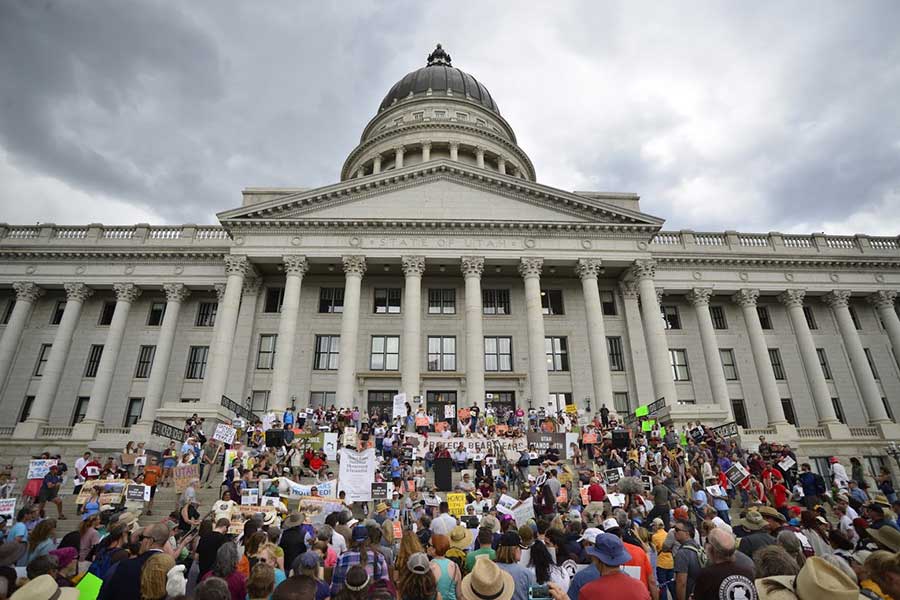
<point>438,57</point>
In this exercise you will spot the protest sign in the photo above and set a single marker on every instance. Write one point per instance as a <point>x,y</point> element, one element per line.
<point>614,475</point>
<point>727,430</point>
<point>271,501</point>
<point>464,413</point>
<point>225,433</point>
<point>92,471</point>
<point>137,493</point>
<point>183,476</point>
<point>641,411</point>
<point>697,434</point>
<point>655,407</point>
<point>317,508</point>
<point>715,490</point>
<point>501,429</point>
<point>357,472</point>
<point>542,442</point>
<point>647,425</point>
<point>350,437</point>
<point>379,490</point>
<point>506,502</point>
<point>89,587</point>
<point>399,408</point>
<point>250,496</point>
<point>140,461</point>
<point>128,459</point>
<point>523,512</point>
<point>786,463</point>
<point>330,444</point>
<point>8,507</point>
<point>736,474</point>
<point>616,500</point>
<point>585,498</point>
<point>422,422</point>
<point>457,504</point>
<point>113,492</point>
<point>398,531</point>
<point>38,468</point>
<point>571,409</point>
<point>648,482</point>
<point>101,485</point>
<point>472,445</point>
<point>449,411</point>
<point>563,495</point>
<point>292,489</point>
<point>441,426</point>
<point>589,438</point>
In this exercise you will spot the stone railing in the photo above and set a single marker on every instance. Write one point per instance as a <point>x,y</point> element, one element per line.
<point>811,433</point>
<point>759,431</point>
<point>7,431</point>
<point>55,433</point>
<point>113,430</point>
<point>98,235</point>
<point>777,243</point>
<point>864,432</point>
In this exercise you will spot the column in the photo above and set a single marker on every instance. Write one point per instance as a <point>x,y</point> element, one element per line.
<point>530,270</point>
<point>699,298</point>
<point>236,268</point>
<point>454,150</point>
<point>883,301</point>
<point>398,157</point>
<point>588,269</point>
<point>76,294</point>
<point>295,267</point>
<point>472,268</point>
<point>241,363</point>
<point>126,294</point>
<point>411,353</point>
<point>746,299</point>
<point>376,164</point>
<point>479,157</point>
<point>657,348</point>
<point>426,151</point>
<point>501,165</point>
<point>838,301</point>
<point>354,269</point>
<point>176,294</point>
<point>793,300</point>
<point>27,294</point>
<point>643,385</point>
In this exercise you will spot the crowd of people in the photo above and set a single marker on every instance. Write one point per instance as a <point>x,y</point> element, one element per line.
<point>625,512</point>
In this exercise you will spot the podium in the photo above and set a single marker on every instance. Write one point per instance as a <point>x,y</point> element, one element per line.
<point>443,474</point>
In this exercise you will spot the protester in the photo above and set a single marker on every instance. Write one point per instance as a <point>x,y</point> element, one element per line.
<point>608,554</point>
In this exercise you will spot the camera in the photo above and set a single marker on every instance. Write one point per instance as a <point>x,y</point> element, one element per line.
<point>538,591</point>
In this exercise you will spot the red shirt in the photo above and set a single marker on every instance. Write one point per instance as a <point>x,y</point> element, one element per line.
<point>780,494</point>
<point>640,559</point>
<point>614,585</point>
<point>596,493</point>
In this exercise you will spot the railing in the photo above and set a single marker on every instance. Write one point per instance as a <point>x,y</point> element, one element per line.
<point>48,431</point>
<point>884,243</point>
<point>71,233</point>
<point>753,240</point>
<point>113,430</point>
<point>165,233</point>
<point>759,431</point>
<point>24,233</point>
<point>806,433</point>
<point>866,432</point>
<point>666,239</point>
<point>211,233</point>
<point>118,233</point>
<point>7,431</point>
<point>842,242</point>
<point>710,239</point>
<point>798,241</point>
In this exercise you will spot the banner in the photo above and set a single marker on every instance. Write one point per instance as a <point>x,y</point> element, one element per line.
<point>544,441</point>
<point>224,433</point>
<point>183,476</point>
<point>317,508</point>
<point>422,422</point>
<point>473,445</point>
<point>8,508</point>
<point>357,472</point>
<point>128,459</point>
<point>616,500</point>
<point>137,493</point>
<point>399,409</point>
<point>457,504</point>
<point>38,468</point>
<point>292,489</point>
<point>106,486</point>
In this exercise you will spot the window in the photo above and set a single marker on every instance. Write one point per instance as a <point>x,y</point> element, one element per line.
<point>157,312</point>
<point>887,409</point>
<point>854,316</point>
<point>328,351</point>
<point>144,362</point>
<point>875,463</point>
<point>740,412</point>
<point>671,319</point>
<point>442,301</point>
<point>871,363</point>
<point>559,400</point>
<point>206,314</point>
<point>823,362</point>
<point>196,367</point>
<point>385,355</point>
<point>133,414</point>
<point>620,402</point>
<point>382,400</point>
<point>441,353</point>
<point>552,302</point>
<point>43,355</point>
<point>7,312</point>
<point>777,366</point>
<point>265,358</point>
<point>106,313</point>
<point>557,352</point>
<point>331,300</point>
<point>93,361</point>
<point>810,317</point>
<point>764,320</point>
<point>259,401</point>
<point>787,405</point>
<point>321,399</point>
<point>838,409</point>
<point>387,301</point>
<point>495,302</point>
<point>729,366</point>
<point>498,354</point>
<point>718,317</point>
<point>26,409</point>
<point>58,311</point>
<point>460,116</point>
<point>614,350</point>
<point>440,114</point>
<point>418,116</point>
<point>501,400</point>
<point>188,400</point>
<point>821,466</point>
<point>81,405</point>
<point>608,303</point>
<point>274,299</point>
<point>678,360</point>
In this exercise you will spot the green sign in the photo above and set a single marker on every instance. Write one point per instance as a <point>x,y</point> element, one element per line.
<point>662,432</point>
<point>641,411</point>
<point>648,425</point>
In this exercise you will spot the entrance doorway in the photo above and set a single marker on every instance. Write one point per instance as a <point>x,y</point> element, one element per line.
<point>436,401</point>
<point>381,402</point>
<point>502,403</point>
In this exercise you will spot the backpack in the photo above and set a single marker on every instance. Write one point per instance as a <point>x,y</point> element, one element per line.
<point>820,484</point>
<point>102,563</point>
<point>701,554</point>
<point>524,460</point>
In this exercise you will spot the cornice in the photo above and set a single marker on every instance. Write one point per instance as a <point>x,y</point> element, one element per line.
<point>449,228</point>
<point>688,262</point>
<point>65,254</point>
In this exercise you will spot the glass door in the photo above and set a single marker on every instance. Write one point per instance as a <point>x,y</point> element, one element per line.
<point>437,403</point>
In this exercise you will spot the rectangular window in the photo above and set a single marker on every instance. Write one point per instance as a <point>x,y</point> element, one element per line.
<point>328,352</point>
<point>206,314</point>
<point>157,312</point>
<point>557,352</point>
<point>854,316</point>
<point>26,409</point>
<point>442,301</point>
<point>385,355</point>
<point>678,360</point>
<point>788,406</point>
<point>7,312</point>
<point>718,317</point>
<point>810,317</point>
<point>331,300</point>
<point>106,313</point>
<point>670,317</point>
<point>559,400</point>
<point>144,362</point>
<point>777,366</point>
<point>764,320</point>
<point>265,358</point>
<point>838,409</point>
<point>81,405</point>
<point>620,402</point>
<point>58,310</point>
<point>441,353</point>
<point>616,356</point>
<point>552,302</point>
<point>729,366</point>
<point>133,414</point>
<point>189,400</point>
<point>387,301</point>
<point>887,409</point>
<point>321,399</point>
<point>740,412</point>
<point>608,302</point>
<point>382,400</point>
<point>274,299</point>
<point>498,354</point>
<point>259,401</point>
<point>823,362</point>
<point>93,361</point>
<point>196,367</point>
<point>495,302</point>
<point>871,363</point>
<point>43,355</point>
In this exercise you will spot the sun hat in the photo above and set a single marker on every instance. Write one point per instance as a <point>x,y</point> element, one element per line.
<point>44,587</point>
<point>658,522</point>
<point>770,513</point>
<point>610,524</point>
<point>293,520</point>
<point>860,556</point>
<point>418,563</point>
<point>381,507</point>
<point>610,550</point>
<point>11,552</point>
<point>590,534</point>
<point>64,556</point>
<point>753,521</point>
<point>270,518</point>
<point>360,533</point>
<point>487,581</point>
<point>886,536</point>
<point>460,537</point>
<point>817,579</point>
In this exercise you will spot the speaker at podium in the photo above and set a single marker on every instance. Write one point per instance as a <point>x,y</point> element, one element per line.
<point>443,474</point>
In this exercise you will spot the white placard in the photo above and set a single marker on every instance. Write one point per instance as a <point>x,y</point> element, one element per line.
<point>631,571</point>
<point>92,471</point>
<point>250,496</point>
<point>330,444</point>
<point>8,507</point>
<point>399,409</point>
<point>225,433</point>
<point>38,468</point>
<point>350,437</point>
<point>616,500</point>
<point>786,463</point>
<point>449,412</point>
<point>140,461</point>
<point>270,501</point>
<point>715,490</point>
<point>357,472</point>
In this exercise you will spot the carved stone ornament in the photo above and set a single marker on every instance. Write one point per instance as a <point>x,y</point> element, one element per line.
<point>745,297</point>
<point>644,269</point>
<point>220,292</point>
<point>629,289</point>
<point>472,266</point>
<point>588,268</point>
<point>126,292</point>
<point>354,264</point>
<point>413,266</point>
<point>837,299</point>
<point>78,292</point>
<point>700,296</point>
<point>295,264</point>
<point>178,292</point>
<point>251,286</point>
<point>882,299</point>
<point>792,298</point>
<point>27,291</point>
<point>531,266</point>
<point>438,57</point>
<point>236,264</point>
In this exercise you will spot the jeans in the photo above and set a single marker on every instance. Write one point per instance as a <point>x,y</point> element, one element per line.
<point>724,515</point>
<point>665,578</point>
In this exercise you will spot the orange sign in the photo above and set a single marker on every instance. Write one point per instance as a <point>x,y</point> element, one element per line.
<point>589,438</point>
<point>441,426</point>
<point>563,496</point>
<point>398,530</point>
<point>463,413</point>
<point>421,421</point>
<point>501,429</point>
<point>585,499</point>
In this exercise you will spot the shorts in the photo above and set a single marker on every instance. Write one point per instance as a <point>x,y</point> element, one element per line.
<point>168,463</point>
<point>152,491</point>
<point>46,494</point>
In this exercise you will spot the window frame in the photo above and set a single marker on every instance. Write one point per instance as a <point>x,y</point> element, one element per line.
<point>328,299</point>
<point>549,298</point>
<point>25,409</point>
<point>717,314</point>
<point>194,365</point>
<point>556,397</point>
<point>887,408</point>
<point>206,314</point>
<point>265,394</point>
<point>265,356</point>
<point>56,314</point>
<point>790,412</point>
<point>134,419</point>
<point>557,354</point>
<point>77,411</point>
<point>838,409</point>
<point>764,316</point>
<point>331,353</point>
<point>274,299</point>
<point>670,316</point>
<point>8,310</point>
<point>615,353</point>
<point>156,314</point>
<point>43,357</point>
<point>497,354</point>
<point>729,352</point>
<point>325,395</point>
<point>822,355</point>
<point>441,356</point>
<point>810,317</point>
<point>871,360</point>
<point>441,301</point>
<point>143,367</point>
<point>740,417</point>
<point>610,304</point>
<point>677,367</point>
<point>389,296</point>
<point>385,354</point>
<point>621,409</point>
<point>107,311</point>
<point>496,302</point>
<point>777,364</point>
<point>854,317</point>
<point>95,355</point>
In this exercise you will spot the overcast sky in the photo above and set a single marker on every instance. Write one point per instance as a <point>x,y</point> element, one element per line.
<point>730,115</point>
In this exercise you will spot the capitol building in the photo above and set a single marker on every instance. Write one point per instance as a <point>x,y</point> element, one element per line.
<point>439,267</point>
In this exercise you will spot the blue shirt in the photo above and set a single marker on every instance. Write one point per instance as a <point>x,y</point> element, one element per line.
<point>19,529</point>
<point>395,468</point>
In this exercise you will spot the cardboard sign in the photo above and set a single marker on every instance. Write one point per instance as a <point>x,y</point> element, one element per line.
<point>589,438</point>
<point>140,461</point>
<point>571,409</point>
<point>736,474</point>
<point>128,459</point>
<point>224,433</point>
<point>441,426</point>
<point>457,504</point>
<point>501,429</point>
<point>585,498</point>
<point>398,531</point>
<point>250,497</point>
<point>137,493</point>
<point>38,468</point>
<point>379,490</point>
<point>8,507</point>
<point>399,407</point>
<point>727,430</point>
<point>647,425</point>
<point>422,422</point>
<point>448,411</point>
<point>641,411</point>
<point>270,501</point>
<point>715,490</point>
<point>648,482</point>
<point>614,475</point>
<point>464,413</point>
<point>183,476</point>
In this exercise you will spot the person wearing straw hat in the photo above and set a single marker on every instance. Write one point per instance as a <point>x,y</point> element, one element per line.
<point>607,554</point>
<point>817,580</point>
<point>887,538</point>
<point>460,542</point>
<point>487,582</point>
<point>759,537</point>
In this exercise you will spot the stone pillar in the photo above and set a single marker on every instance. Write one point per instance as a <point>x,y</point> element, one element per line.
<point>472,268</point>
<point>240,363</point>
<point>295,267</point>
<point>426,151</point>
<point>354,269</point>
<point>411,354</point>
<point>376,164</point>
<point>454,150</point>
<point>588,269</point>
<point>126,294</point>
<point>27,294</point>
<point>479,157</point>
<point>398,157</point>
<point>699,298</point>
<point>883,301</point>
<point>793,300</point>
<point>501,165</point>
<point>838,301</point>
<point>657,347</point>
<point>746,299</point>
<point>530,270</point>
<point>236,267</point>
<point>640,366</point>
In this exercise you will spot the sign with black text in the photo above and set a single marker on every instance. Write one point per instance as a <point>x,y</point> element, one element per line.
<point>380,490</point>
<point>727,430</point>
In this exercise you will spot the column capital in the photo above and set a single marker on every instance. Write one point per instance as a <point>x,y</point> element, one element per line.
<point>220,292</point>
<point>629,289</point>
<point>745,297</point>
<point>413,266</point>
<point>472,266</point>
<point>237,264</point>
<point>792,298</point>
<point>354,264</point>
<point>588,268</point>
<point>837,299</point>
<point>454,145</point>
<point>178,292</point>
<point>400,149</point>
<point>77,291</point>
<point>426,143</point>
<point>27,291</point>
<point>643,269</point>
<point>295,264</point>
<point>479,150</point>
<point>126,292</point>
<point>700,296</point>
<point>530,266</point>
<point>882,299</point>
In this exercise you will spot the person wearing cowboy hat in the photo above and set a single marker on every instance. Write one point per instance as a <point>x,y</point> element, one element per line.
<point>758,537</point>
<point>887,538</point>
<point>608,554</point>
<point>487,582</point>
<point>817,580</point>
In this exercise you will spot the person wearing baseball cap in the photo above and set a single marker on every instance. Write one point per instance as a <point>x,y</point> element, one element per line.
<point>608,554</point>
<point>508,555</point>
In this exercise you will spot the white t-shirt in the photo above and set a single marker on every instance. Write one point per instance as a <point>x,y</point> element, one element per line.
<point>224,509</point>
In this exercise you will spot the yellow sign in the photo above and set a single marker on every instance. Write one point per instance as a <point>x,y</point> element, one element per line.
<point>571,409</point>
<point>457,504</point>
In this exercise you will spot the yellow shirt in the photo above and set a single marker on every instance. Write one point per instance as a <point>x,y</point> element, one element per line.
<point>664,560</point>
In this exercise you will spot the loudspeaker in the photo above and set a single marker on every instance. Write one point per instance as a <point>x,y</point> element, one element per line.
<point>620,439</point>
<point>443,474</point>
<point>275,438</point>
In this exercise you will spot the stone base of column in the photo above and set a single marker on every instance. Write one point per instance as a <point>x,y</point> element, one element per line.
<point>27,430</point>
<point>888,431</point>
<point>785,431</point>
<point>836,431</point>
<point>85,430</point>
